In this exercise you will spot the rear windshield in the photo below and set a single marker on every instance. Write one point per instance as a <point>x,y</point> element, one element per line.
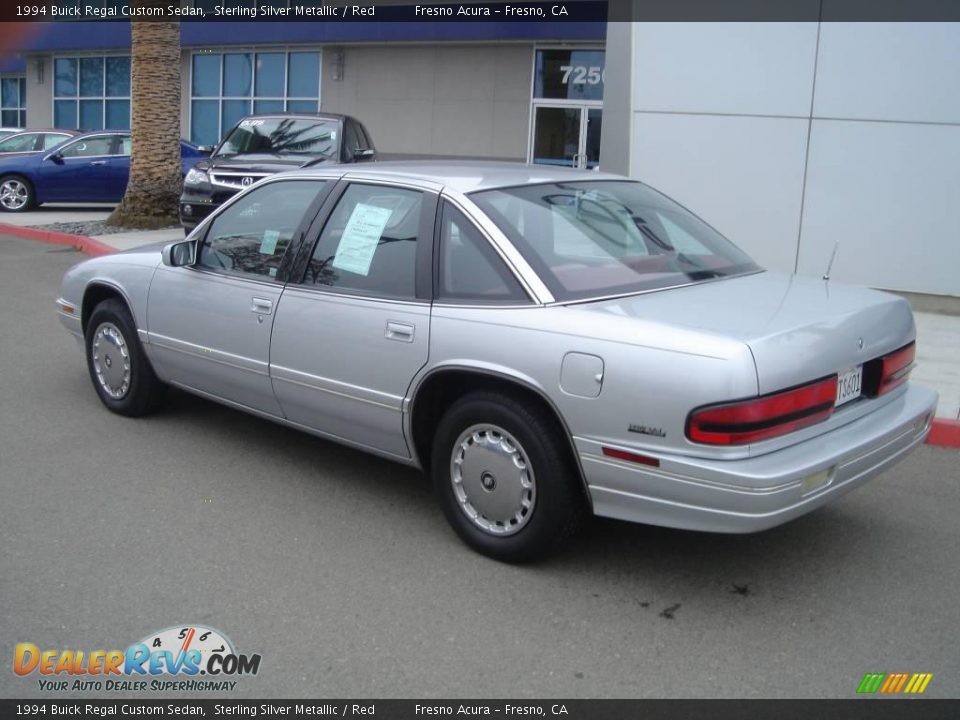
<point>598,238</point>
<point>282,136</point>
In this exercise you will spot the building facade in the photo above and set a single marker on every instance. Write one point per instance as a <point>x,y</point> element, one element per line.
<point>787,137</point>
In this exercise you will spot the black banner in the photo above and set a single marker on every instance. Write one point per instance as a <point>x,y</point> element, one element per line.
<point>861,709</point>
<point>443,11</point>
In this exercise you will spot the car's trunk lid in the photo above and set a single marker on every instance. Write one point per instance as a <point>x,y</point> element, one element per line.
<point>798,329</point>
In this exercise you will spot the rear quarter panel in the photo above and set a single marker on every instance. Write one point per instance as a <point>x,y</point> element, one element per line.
<point>652,374</point>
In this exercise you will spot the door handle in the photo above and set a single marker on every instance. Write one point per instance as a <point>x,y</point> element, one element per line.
<point>399,331</point>
<point>261,306</point>
<point>98,162</point>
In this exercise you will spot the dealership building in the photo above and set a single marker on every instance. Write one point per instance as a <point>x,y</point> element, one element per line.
<point>788,137</point>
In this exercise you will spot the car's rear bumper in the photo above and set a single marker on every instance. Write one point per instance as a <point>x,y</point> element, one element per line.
<point>740,496</point>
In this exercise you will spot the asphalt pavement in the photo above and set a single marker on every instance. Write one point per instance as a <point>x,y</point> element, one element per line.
<point>339,570</point>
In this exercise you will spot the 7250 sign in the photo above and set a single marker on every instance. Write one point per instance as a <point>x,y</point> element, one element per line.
<point>583,75</point>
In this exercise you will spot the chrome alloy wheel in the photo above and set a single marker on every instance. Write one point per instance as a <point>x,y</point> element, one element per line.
<point>492,480</point>
<point>111,360</point>
<point>13,194</point>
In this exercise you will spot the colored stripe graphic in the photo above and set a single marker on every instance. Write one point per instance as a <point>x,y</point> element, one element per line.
<point>895,683</point>
<point>918,683</point>
<point>871,682</point>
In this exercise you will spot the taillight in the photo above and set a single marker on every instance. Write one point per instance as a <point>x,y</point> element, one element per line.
<point>739,423</point>
<point>895,367</point>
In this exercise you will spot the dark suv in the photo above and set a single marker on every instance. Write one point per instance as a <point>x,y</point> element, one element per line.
<point>261,145</point>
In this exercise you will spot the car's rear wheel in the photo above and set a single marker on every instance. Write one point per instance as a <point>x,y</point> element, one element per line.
<point>16,194</point>
<point>503,477</point>
<point>119,369</point>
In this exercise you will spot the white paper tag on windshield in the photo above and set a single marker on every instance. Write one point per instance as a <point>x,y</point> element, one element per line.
<point>268,245</point>
<point>360,238</point>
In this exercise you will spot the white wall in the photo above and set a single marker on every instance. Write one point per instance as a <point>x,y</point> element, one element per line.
<point>787,136</point>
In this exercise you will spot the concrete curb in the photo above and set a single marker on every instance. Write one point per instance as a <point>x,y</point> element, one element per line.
<point>943,431</point>
<point>91,247</point>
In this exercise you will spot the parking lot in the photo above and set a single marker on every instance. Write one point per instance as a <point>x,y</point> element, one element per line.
<point>339,569</point>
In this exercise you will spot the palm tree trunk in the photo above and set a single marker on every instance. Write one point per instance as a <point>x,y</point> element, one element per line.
<point>153,191</point>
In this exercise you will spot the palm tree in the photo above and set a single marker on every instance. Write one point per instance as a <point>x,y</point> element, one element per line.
<point>153,191</point>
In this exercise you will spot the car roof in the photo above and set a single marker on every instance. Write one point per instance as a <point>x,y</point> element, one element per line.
<point>312,116</point>
<point>59,131</point>
<point>465,175</point>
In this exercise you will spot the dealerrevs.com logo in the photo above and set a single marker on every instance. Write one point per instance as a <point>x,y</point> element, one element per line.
<point>180,658</point>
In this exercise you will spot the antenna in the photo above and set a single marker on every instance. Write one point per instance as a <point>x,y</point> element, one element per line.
<point>833,256</point>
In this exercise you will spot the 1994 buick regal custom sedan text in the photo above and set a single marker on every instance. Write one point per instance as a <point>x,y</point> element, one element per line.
<point>544,342</point>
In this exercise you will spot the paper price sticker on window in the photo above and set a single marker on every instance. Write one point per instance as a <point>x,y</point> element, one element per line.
<point>360,238</point>
<point>269,244</point>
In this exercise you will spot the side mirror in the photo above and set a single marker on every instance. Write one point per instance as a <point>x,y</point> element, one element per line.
<point>367,154</point>
<point>205,149</point>
<point>56,157</point>
<point>179,254</point>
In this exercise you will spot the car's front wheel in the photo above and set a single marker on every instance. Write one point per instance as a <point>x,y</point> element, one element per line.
<point>16,194</point>
<point>119,369</point>
<point>503,477</point>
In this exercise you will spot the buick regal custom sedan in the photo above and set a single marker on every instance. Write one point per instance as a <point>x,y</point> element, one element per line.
<point>92,167</point>
<point>545,343</point>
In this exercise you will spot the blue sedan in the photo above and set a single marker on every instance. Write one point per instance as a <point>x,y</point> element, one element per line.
<point>92,167</point>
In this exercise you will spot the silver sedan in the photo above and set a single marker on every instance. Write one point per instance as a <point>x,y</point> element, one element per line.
<point>544,343</point>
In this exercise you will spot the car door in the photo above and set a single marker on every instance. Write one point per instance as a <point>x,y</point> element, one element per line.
<point>118,169</point>
<point>209,324</point>
<point>78,171</point>
<point>353,330</point>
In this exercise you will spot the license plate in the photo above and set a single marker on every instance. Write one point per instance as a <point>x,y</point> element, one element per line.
<point>849,385</point>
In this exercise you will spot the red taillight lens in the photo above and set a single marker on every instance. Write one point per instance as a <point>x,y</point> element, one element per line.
<point>764,417</point>
<point>895,367</point>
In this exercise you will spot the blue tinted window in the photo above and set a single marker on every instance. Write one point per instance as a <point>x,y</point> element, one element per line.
<point>10,93</point>
<point>65,77</point>
<point>65,113</point>
<point>237,74</point>
<point>267,106</point>
<point>206,76</point>
<point>233,112</point>
<point>118,76</point>
<point>569,74</point>
<point>9,118</point>
<point>303,76</point>
<point>118,115</point>
<point>269,75</point>
<point>91,77</point>
<point>91,115</point>
<point>205,122</point>
<point>304,106</point>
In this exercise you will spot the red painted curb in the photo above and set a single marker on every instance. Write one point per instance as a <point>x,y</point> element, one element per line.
<point>91,247</point>
<point>944,433</point>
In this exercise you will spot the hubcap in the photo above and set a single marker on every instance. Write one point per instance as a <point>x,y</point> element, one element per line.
<point>492,479</point>
<point>13,194</point>
<point>111,360</point>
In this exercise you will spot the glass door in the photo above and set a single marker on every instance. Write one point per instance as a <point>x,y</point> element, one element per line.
<point>567,135</point>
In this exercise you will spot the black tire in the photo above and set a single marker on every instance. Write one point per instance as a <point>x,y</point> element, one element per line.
<point>558,504</point>
<point>21,201</point>
<point>141,392</point>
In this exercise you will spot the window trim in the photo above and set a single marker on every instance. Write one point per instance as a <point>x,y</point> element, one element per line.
<point>423,270</point>
<point>114,145</point>
<point>21,107</point>
<point>252,98</point>
<point>293,250</point>
<point>492,254</point>
<point>103,97</point>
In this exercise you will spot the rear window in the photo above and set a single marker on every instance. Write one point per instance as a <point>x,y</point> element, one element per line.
<point>282,136</point>
<point>597,238</point>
